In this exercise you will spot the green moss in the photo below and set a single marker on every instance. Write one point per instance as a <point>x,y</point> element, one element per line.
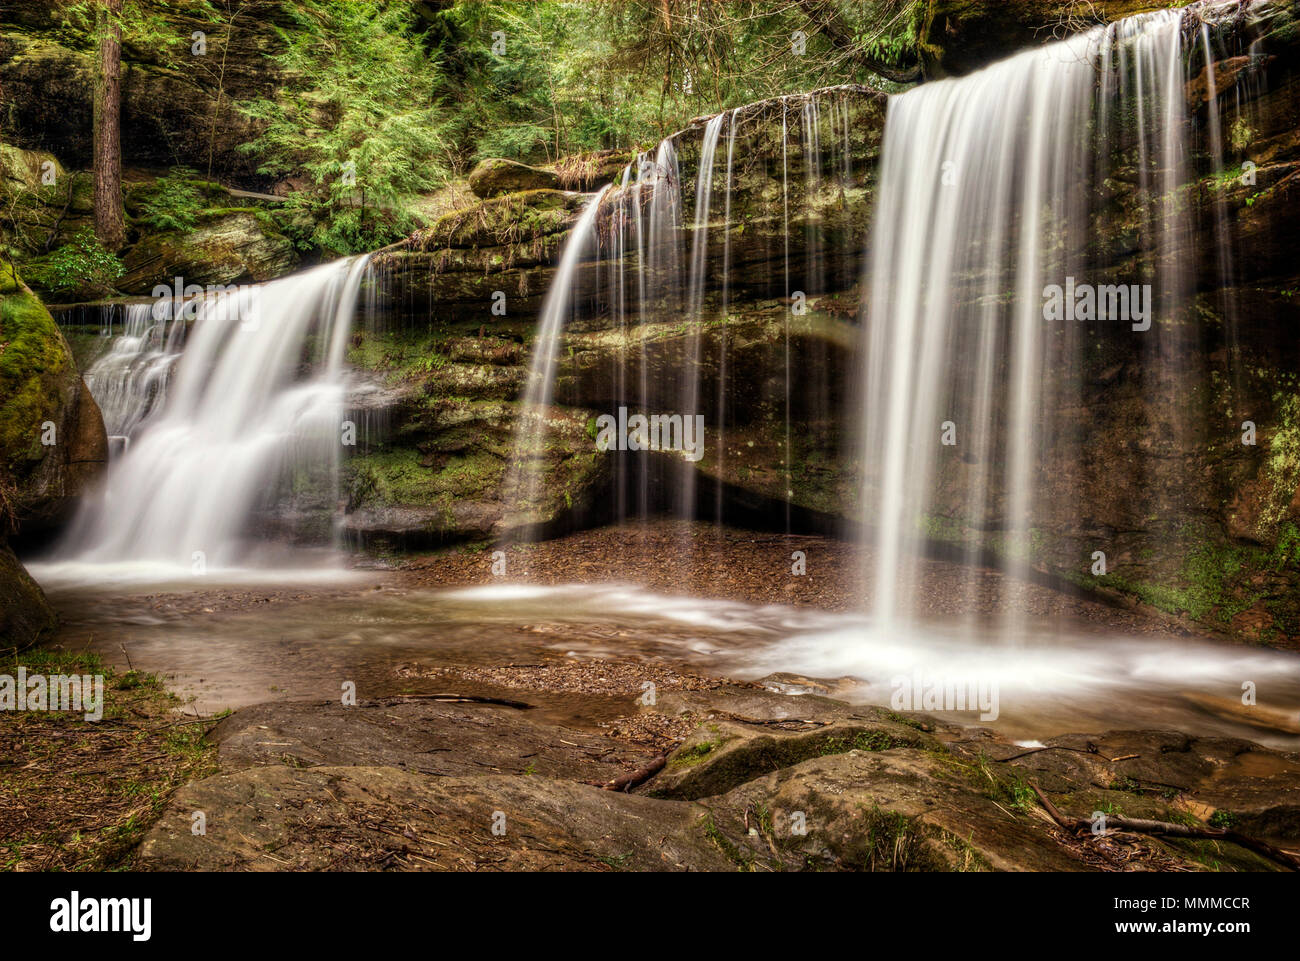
<point>9,282</point>
<point>862,741</point>
<point>693,754</point>
<point>1222,819</point>
<point>265,219</point>
<point>1010,789</point>
<point>1282,468</point>
<point>80,268</point>
<point>1216,578</point>
<point>34,367</point>
<point>904,719</point>
<point>743,861</point>
<point>173,202</point>
<point>402,358</point>
<point>516,218</point>
<point>401,476</point>
<point>891,841</point>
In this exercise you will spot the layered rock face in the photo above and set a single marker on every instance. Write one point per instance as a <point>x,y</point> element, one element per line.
<point>1148,461</point>
<point>52,445</point>
<point>956,37</point>
<point>177,107</point>
<point>449,368</point>
<point>1175,453</point>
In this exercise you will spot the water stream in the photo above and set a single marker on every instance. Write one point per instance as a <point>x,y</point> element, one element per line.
<point>982,205</point>
<point>244,411</point>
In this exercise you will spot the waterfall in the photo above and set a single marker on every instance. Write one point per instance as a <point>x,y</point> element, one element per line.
<point>525,480</point>
<point>989,207</point>
<point>130,381</point>
<point>690,394</point>
<point>248,414</point>
<point>650,270</point>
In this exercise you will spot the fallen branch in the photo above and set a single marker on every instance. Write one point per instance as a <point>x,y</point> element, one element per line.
<point>1075,750</point>
<point>1170,829</point>
<point>772,722</point>
<point>193,720</point>
<point>630,780</point>
<point>470,698</point>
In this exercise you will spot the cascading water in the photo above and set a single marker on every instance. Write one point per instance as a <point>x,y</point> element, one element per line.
<point>130,381</point>
<point>524,482</point>
<point>989,202</point>
<point>650,270</point>
<point>248,414</point>
<point>987,195</point>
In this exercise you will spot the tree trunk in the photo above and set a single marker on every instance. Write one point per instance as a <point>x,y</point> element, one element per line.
<point>110,222</point>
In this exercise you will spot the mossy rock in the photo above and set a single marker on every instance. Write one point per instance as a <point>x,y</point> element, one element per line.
<point>52,444</point>
<point>25,614</point>
<point>721,755</point>
<point>41,212</point>
<point>518,219</point>
<point>229,246</point>
<point>42,398</point>
<point>24,169</point>
<point>36,374</point>
<point>497,176</point>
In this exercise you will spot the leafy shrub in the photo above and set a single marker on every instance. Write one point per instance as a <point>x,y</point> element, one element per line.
<point>80,265</point>
<point>173,203</point>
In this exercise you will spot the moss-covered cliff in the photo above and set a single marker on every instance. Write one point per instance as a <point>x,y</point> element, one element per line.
<point>52,445</point>
<point>1150,462</point>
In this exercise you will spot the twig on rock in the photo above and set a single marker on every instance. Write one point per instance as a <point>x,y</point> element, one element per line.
<point>1171,829</point>
<point>470,698</point>
<point>630,780</point>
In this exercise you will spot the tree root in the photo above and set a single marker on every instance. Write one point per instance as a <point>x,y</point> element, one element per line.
<point>1171,829</point>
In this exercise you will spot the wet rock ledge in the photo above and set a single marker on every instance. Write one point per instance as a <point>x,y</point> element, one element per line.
<point>765,781</point>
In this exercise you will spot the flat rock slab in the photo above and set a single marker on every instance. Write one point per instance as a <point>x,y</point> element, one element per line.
<point>896,810</point>
<point>723,754</point>
<point>382,818</point>
<point>765,782</point>
<point>431,737</point>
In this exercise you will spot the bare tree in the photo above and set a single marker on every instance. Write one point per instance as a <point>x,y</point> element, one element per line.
<point>110,220</point>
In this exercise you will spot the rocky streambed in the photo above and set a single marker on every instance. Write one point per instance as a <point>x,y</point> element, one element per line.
<point>432,716</point>
<point>764,781</point>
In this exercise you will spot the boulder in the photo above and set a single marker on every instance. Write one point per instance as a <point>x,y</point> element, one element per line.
<point>227,247</point>
<point>385,818</point>
<point>45,204</point>
<point>497,176</point>
<point>767,782</point>
<point>52,439</point>
<point>25,614</point>
<point>26,169</point>
<point>52,446</point>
